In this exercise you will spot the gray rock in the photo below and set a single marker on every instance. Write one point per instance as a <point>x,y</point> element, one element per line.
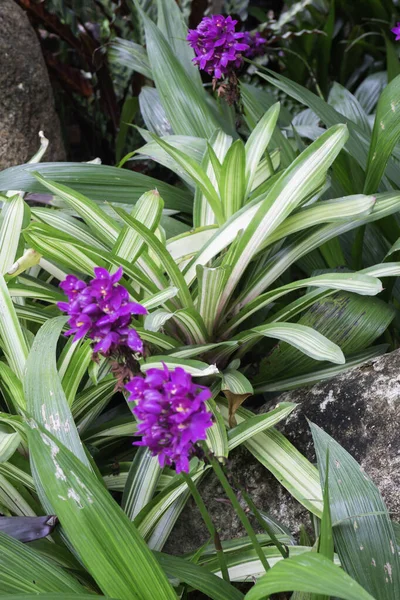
<point>359,409</point>
<point>26,100</point>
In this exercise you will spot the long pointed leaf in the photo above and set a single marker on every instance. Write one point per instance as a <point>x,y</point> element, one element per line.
<point>308,572</point>
<point>119,561</point>
<point>290,190</point>
<point>12,217</point>
<point>362,529</point>
<point>11,337</point>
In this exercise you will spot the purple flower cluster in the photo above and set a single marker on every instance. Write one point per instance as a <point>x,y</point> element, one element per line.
<point>396,31</point>
<point>256,44</point>
<point>218,47</point>
<point>172,414</point>
<point>101,310</point>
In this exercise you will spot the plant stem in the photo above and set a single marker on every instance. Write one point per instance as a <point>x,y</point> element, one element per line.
<point>209,524</point>
<point>239,510</point>
<point>282,549</point>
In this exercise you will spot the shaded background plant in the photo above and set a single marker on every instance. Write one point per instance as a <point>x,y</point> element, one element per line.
<point>90,48</point>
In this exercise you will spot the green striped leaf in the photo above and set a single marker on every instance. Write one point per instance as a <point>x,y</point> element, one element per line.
<point>308,572</point>
<point>106,433</point>
<point>11,388</point>
<point>383,270</point>
<point>192,325</point>
<point>195,367</point>
<point>35,315</point>
<point>12,216</point>
<point>369,90</point>
<point>166,522</point>
<point>353,360</point>
<point>328,211</point>
<point>97,182</point>
<point>385,205</point>
<point>153,112</point>
<point>129,54</point>
<point>211,283</point>
<point>198,175</point>
<point>351,321</point>
<point>25,571</point>
<point>192,146</point>
<point>74,371</point>
<point>90,402</point>
<point>61,248</point>
<point>159,298</point>
<point>239,544</point>
<point>168,264</point>
<point>16,500</point>
<point>358,142</point>
<point>256,101</point>
<point>45,397</point>
<point>154,510</point>
<point>217,439</point>
<point>306,339</point>
<point>184,104</point>
<point>265,169</point>
<point>160,340</point>
<point>9,442</point>
<point>141,482</point>
<point>288,465</point>
<point>195,576</point>
<point>365,285</point>
<point>94,523</point>
<point>385,135</point>
<point>185,245</point>
<point>306,173</point>
<point>255,425</point>
<point>258,142</point>
<point>157,319</point>
<point>346,104</point>
<point>37,290</point>
<point>171,22</point>
<point>362,530</point>
<point>232,180</point>
<point>222,238</point>
<point>52,596</point>
<point>99,222</point>
<point>66,224</point>
<point>147,211</point>
<point>245,565</point>
<point>218,146</point>
<point>79,257</point>
<point>12,339</point>
<point>199,349</point>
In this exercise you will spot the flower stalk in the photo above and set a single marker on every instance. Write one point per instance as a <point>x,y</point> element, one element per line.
<point>209,524</point>
<point>239,510</point>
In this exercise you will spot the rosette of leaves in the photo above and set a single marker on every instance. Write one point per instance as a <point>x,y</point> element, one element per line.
<point>200,288</point>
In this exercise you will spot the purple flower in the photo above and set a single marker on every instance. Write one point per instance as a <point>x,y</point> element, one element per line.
<point>172,414</point>
<point>396,31</point>
<point>72,286</point>
<point>101,310</point>
<point>217,45</point>
<point>256,44</point>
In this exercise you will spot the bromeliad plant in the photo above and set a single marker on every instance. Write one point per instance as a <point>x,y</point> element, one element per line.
<point>209,283</point>
<point>182,311</point>
<point>200,289</point>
